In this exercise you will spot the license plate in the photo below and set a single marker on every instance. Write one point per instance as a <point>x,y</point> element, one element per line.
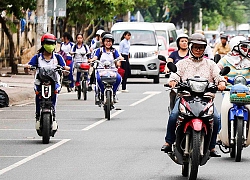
<point>241,94</point>
<point>135,72</point>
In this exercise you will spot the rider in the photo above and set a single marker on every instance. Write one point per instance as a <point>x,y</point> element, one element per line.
<point>238,60</point>
<point>66,46</point>
<point>107,53</point>
<point>96,42</point>
<point>221,48</point>
<point>78,52</point>
<point>195,64</point>
<point>46,58</point>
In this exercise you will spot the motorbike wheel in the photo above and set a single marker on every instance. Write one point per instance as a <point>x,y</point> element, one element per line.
<point>79,92</point>
<point>84,89</point>
<point>232,151</point>
<point>195,155</point>
<point>46,128</point>
<point>239,139</point>
<point>107,105</point>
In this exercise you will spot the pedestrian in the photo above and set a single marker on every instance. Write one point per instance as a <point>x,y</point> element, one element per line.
<point>124,47</point>
<point>66,46</point>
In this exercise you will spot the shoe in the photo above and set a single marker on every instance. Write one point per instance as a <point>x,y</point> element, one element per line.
<point>97,100</point>
<point>214,154</point>
<point>124,91</point>
<point>219,142</point>
<point>115,99</point>
<point>90,88</point>
<point>166,148</point>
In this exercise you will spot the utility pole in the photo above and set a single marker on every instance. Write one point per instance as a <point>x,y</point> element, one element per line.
<point>41,28</point>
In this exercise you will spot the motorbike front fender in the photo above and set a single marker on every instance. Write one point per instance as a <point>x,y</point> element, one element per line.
<point>195,124</point>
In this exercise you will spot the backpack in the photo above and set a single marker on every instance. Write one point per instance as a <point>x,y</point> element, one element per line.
<point>99,57</point>
<point>4,99</point>
<point>74,48</point>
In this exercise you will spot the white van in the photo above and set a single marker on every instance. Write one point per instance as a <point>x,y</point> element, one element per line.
<point>143,48</point>
<point>167,30</point>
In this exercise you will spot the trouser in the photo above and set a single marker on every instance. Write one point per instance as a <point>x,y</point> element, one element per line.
<point>71,78</point>
<point>171,127</point>
<point>126,66</point>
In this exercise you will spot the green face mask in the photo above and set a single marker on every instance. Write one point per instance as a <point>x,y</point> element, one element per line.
<point>49,47</point>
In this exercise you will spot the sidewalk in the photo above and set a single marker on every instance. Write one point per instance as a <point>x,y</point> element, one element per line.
<point>19,87</point>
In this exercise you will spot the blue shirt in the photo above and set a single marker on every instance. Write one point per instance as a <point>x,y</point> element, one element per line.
<point>175,56</point>
<point>124,46</point>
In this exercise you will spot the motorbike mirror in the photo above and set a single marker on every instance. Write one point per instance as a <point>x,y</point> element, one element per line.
<point>172,67</point>
<point>161,57</point>
<point>224,71</point>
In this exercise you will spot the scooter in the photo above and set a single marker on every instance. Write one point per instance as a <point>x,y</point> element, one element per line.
<point>108,78</point>
<point>194,125</point>
<point>82,88</point>
<point>235,134</point>
<point>46,78</point>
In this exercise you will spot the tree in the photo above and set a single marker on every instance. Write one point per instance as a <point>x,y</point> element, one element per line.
<point>15,7</point>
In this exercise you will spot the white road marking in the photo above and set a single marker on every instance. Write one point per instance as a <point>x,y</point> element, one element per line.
<point>23,161</point>
<point>101,121</point>
<point>151,94</point>
<point>13,156</point>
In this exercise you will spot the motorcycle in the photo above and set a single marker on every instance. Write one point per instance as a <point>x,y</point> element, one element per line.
<point>46,78</point>
<point>108,78</point>
<point>235,134</point>
<point>82,67</point>
<point>194,124</point>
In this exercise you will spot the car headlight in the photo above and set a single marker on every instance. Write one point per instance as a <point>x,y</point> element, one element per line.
<point>153,53</point>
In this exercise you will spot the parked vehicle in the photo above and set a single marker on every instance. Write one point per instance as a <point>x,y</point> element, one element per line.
<point>195,124</point>
<point>234,133</point>
<point>144,48</point>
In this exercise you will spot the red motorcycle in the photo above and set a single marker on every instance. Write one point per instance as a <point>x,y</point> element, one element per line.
<point>194,124</point>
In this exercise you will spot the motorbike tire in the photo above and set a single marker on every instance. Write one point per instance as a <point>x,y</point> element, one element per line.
<point>232,151</point>
<point>46,128</point>
<point>185,169</point>
<point>79,92</point>
<point>194,161</point>
<point>84,89</point>
<point>107,106</point>
<point>238,139</point>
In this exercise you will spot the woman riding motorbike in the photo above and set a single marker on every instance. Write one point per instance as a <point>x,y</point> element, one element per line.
<point>195,64</point>
<point>103,54</point>
<point>238,59</point>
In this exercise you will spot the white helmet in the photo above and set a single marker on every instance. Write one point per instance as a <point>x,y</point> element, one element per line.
<point>240,44</point>
<point>99,32</point>
<point>179,37</point>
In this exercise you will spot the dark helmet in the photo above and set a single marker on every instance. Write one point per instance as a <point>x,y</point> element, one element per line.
<point>198,38</point>
<point>108,36</point>
<point>48,38</point>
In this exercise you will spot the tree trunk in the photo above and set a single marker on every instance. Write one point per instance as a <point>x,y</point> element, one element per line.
<point>13,64</point>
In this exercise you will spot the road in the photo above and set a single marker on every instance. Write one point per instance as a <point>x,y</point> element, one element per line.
<point>87,147</point>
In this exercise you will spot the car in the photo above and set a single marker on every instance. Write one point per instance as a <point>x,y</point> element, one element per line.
<point>144,48</point>
<point>164,50</point>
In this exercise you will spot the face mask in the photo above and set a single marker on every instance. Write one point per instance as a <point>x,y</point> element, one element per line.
<point>49,47</point>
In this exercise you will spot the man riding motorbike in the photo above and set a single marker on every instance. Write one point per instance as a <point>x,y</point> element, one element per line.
<point>194,64</point>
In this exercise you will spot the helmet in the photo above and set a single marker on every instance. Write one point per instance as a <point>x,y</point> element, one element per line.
<point>108,36</point>
<point>235,41</point>
<point>99,32</point>
<point>198,38</point>
<point>224,36</point>
<point>199,31</point>
<point>48,38</point>
<point>179,37</point>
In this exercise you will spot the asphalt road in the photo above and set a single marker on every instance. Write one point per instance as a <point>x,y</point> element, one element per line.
<point>87,147</point>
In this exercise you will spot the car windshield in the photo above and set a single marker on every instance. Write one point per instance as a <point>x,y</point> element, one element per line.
<point>138,37</point>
